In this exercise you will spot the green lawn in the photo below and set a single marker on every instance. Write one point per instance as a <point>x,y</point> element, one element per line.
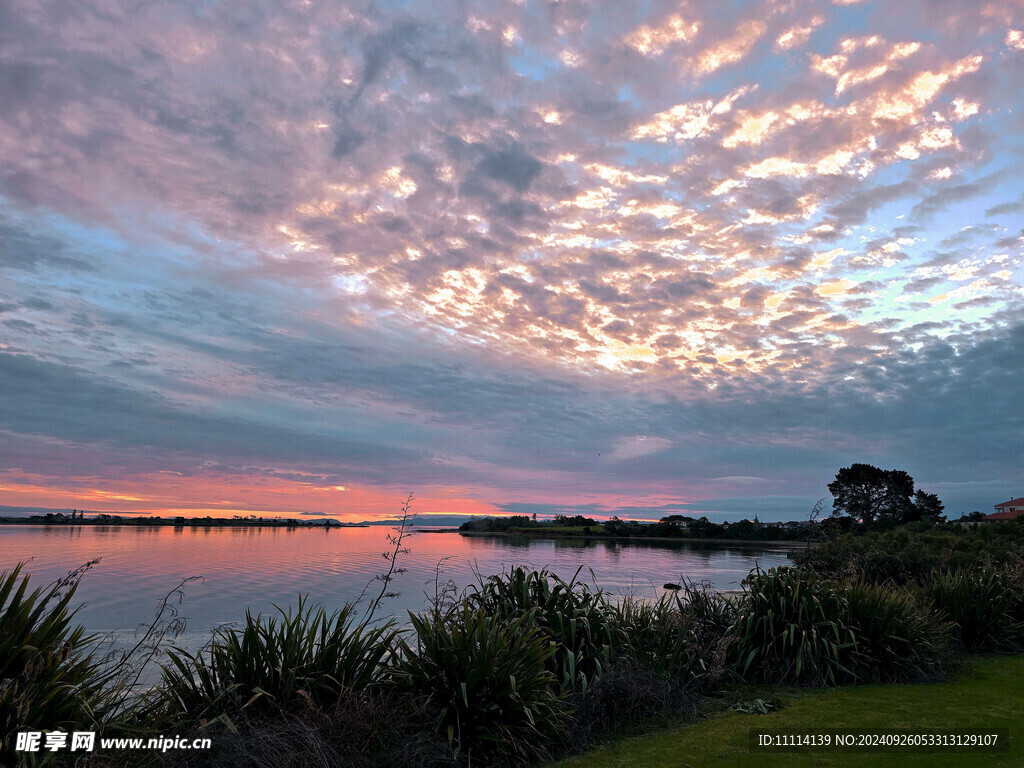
<point>988,694</point>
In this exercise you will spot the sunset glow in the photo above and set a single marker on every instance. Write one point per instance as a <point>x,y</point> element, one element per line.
<point>299,259</point>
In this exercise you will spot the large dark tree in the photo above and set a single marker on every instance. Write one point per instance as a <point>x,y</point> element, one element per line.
<point>869,493</point>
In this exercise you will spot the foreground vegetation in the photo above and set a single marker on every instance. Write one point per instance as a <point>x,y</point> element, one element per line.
<point>909,553</point>
<point>524,666</point>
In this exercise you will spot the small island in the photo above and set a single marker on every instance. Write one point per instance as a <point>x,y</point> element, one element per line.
<point>78,517</point>
<point>674,527</point>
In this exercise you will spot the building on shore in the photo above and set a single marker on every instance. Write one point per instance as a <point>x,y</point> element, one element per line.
<point>1008,510</point>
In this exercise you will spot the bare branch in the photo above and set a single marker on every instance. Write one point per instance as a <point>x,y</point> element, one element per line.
<point>400,533</point>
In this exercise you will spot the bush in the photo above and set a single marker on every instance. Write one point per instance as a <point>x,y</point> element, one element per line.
<point>1014,570</point>
<point>577,619</point>
<point>910,553</point>
<point>791,628</point>
<point>498,702</point>
<point>980,602</point>
<point>679,636</point>
<point>880,567</point>
<point>271,664</point>
<point>49,678</point>
<point>898,639</point>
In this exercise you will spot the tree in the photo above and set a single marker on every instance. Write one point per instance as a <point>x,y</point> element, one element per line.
<point>869,493</point>
<point>973,517</point>
<point>926,507</point>
<point>744,529</point>
<point>613,526</point>
<point>575,520</point>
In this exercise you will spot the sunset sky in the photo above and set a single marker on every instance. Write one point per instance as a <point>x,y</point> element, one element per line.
<point>301,258</point>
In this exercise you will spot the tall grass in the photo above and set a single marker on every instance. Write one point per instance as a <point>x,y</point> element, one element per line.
<point>363,730</point>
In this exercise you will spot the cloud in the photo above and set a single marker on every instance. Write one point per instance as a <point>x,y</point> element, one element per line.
<point>24,251</point>
<point>467,249</point>
<point>798,35</point>
<point>654,40</point>
<point>732,49</point>
<point>641,445</point>
<point>1015,206</point>
<point>936,202</point>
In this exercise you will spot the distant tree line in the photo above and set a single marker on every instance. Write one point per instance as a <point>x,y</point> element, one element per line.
<point>863,497</point>
<point>77,518</point>
<point>672,527</point>
<point>527,522</point>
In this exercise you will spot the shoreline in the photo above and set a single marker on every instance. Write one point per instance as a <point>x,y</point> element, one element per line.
<point>188,522</point>
<point>682,539</point>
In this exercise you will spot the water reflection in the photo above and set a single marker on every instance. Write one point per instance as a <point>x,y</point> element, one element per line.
<point>258,567</point>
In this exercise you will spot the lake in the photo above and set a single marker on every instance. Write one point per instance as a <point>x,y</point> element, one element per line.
<point>260,567</point>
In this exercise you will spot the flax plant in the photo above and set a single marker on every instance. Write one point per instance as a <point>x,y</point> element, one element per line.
<point>489,678</point>
<point>49,676</point>
<point>299,658</point>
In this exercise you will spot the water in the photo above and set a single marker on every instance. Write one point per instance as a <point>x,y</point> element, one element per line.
<point>260,567</point>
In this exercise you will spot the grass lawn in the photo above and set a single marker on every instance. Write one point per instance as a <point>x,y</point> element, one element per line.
<point>987,694</point>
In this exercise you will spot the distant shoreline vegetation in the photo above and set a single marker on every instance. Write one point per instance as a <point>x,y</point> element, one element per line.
<point>77,518</point>
<point>681,527</point>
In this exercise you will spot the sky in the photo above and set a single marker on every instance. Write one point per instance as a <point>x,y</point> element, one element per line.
<point>301,258</point>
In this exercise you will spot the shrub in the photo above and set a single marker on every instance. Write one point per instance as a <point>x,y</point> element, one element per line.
<point>679,635</point>
<point>654,636</point>
<point>577,619</point>
<point>829,557</point>
<point>1014,570</point>
<point>980,602</point>
<point>911,552</point>
<point>489,678</point>
<point>898,639</point>
<point>791,628</point>
<point>880,567</point>
<point>305,657</point>
<point>49,678</point>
